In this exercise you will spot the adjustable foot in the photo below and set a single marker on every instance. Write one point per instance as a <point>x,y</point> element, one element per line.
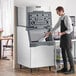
<point>31,70</point>
<point>49,68</point>
<point>20,66</point>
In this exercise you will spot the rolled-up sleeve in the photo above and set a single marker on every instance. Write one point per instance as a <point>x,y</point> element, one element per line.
<point>68,24</point>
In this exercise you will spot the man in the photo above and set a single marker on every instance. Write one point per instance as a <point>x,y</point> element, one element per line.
<point>65,41</point>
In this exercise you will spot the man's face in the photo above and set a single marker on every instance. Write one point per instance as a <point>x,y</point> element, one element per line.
<point>60,13</point>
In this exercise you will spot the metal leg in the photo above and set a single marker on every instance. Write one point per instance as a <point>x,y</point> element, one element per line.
<point>4,57</point>
<point>55,68</point>
<point>3,51</point>
<point>38,69</point>
<point>49,68</point>
<point>12,52</point>
<point>20,66</point>
<point>31,70</point>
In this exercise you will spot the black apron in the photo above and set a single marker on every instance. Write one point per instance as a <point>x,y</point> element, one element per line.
<point>65,40</point>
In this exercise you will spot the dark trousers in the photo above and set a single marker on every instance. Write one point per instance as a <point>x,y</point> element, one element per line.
<point>66,54</point>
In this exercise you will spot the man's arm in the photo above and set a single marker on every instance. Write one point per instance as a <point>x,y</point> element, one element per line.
<point>56,26</point>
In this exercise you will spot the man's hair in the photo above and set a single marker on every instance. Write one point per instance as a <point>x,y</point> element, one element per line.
<point>60,8</point>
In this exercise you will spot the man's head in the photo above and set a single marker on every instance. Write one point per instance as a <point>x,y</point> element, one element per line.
<point>60,10</point>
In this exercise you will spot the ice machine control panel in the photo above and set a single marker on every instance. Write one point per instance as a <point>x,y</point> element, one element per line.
<point>39,19</point>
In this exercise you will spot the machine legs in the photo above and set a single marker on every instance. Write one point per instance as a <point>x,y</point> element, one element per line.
<point>38,69</point>
<point>31,69</point>
<point>20,66</point>
<point>49,68</point>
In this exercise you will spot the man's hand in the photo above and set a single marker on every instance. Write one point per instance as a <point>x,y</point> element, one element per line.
<point>61,33</point>
<point>47,34</point>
